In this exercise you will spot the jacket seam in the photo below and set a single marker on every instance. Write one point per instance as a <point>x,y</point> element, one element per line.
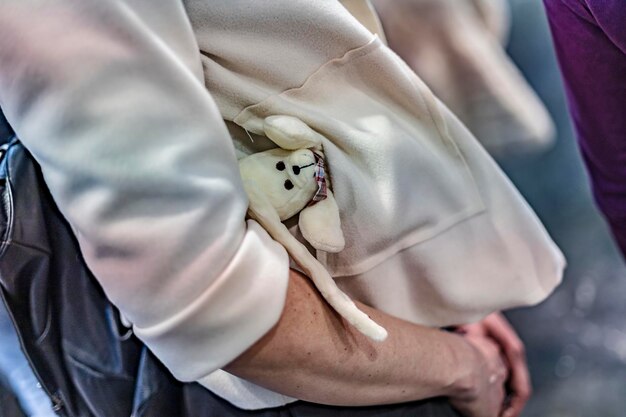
<point>306,80</point>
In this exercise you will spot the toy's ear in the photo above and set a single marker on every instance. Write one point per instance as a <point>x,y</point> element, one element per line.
<point>291,133</point>
<point>320,225</point>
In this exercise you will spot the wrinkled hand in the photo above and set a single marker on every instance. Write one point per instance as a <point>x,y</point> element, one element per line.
<point>496,327</point>
<point>486,394</point>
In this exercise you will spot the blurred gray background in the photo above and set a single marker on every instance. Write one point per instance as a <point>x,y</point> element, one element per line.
<point>576,340</point>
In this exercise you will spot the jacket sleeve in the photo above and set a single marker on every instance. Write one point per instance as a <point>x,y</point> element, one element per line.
<point>590,43</point>
<point>108,97</point>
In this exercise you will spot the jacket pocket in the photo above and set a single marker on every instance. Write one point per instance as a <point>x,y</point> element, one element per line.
<point>398,176</point>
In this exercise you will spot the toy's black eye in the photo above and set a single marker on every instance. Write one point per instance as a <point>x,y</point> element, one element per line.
<point>296,169</point>
<point>280,166</point>
<point>288,185</point>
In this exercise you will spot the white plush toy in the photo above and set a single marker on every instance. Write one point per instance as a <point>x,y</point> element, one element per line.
<point>292,179</point>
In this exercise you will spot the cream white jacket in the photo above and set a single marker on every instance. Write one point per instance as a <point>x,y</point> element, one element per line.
<point>109,97</point>
<point>122,103</point>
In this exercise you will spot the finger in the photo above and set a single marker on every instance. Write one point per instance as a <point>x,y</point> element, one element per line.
<point>504,368</point>
<point>477,329</point>
<point>520,391</point>
<point>513,348</point>
<point>291,133</point>
<point>498,365</point>
<point>499,328</point>
<point>515,407</point>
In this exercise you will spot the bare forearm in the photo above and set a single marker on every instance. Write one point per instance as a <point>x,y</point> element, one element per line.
<point>312,354</point>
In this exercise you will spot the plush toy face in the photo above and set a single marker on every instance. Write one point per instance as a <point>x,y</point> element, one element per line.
<point>282,182</point>
<point>287,178</point>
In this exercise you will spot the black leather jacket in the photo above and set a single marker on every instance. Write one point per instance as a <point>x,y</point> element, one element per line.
<point>89,364</point>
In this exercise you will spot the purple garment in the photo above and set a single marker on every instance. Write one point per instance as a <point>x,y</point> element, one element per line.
<point>590,41</point>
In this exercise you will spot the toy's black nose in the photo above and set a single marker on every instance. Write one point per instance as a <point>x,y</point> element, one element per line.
<point>297,169</point>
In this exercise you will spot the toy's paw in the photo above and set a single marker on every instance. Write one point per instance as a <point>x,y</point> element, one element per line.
<point>291,133</point>
<point>321,227</point>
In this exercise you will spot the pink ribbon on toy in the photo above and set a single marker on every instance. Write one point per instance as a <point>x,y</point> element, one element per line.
<point>320,178</point>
